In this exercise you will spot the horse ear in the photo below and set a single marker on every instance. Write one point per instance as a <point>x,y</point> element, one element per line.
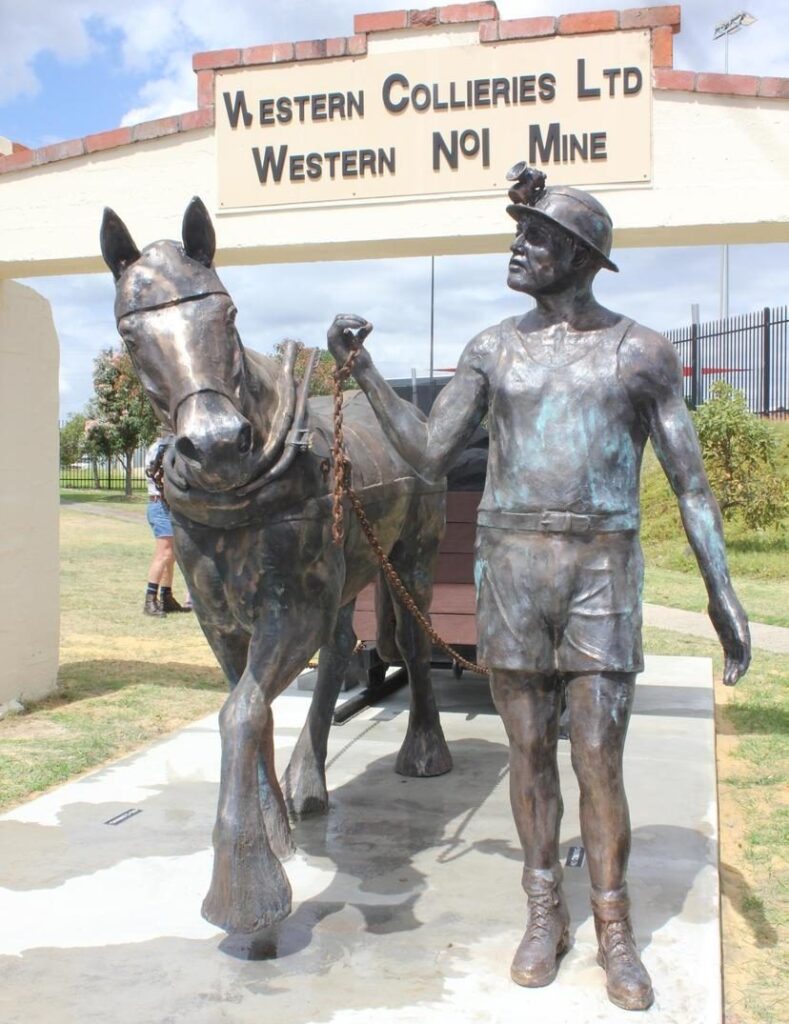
<point>117,245</point>
<point>198,233</point>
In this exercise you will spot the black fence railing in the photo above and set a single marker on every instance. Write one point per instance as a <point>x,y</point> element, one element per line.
<point>104,474</point>
<point>751,352</point>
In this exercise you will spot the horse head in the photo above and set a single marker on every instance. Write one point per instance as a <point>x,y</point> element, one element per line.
<point>177,321</point>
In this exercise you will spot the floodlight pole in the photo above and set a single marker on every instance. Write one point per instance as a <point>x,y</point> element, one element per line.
<point>726,28</point>
<point>432,313</point>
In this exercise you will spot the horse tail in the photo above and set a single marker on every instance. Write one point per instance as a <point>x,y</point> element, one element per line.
<point>385,622</point>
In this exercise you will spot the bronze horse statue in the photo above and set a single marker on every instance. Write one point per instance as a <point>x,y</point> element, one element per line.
<point>249,482</point>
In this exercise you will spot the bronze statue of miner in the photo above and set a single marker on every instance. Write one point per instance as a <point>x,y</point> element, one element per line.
<point>572,392</point>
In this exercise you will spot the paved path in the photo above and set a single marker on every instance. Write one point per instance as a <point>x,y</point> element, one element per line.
<point>766,638</point>
<point>128,514</point>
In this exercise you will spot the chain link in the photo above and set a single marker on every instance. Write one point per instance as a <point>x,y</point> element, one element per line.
<point>342,487</point>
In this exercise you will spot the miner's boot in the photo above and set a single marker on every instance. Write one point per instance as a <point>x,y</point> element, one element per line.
<point>547,934</point>
<point>627,981</point>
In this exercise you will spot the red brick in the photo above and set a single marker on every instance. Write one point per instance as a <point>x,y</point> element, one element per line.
<point>489,31</point>
<point>383,21</point>
<point>310,49</point>
<point>729,85</point>
<point>454,13</point>
<point>59,151</point>
<point>18,161</point>
<point>18,147</point>
<point>108,140</point>
<point>155,129</point>
<point>216,59</point>
<point>592,21</point>
<point>423,19</point>
<point>357,45</point>
<point>271,53</point>
<point>774,88</point>
<point>678,81</point>
<point>662,47</point>
<point>651,17</point>
<point>526,28</point>
<point>203,118</point>
<point>336,47</point>
<point>205,88</point>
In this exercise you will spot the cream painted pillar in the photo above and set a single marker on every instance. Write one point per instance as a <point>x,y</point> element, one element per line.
<point>29,570</point>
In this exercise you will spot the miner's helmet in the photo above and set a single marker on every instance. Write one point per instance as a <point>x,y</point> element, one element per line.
<point>577,212</point>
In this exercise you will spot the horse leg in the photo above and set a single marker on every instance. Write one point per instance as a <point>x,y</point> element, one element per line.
<point>231,648</point>
<point>249,889</point>
<point>304,780</point>
<point>424,751</point>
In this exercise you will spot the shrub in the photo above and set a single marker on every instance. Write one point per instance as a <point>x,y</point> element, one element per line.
<point>741,458</point>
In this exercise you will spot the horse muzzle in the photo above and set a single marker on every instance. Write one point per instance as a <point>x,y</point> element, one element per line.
<point>214,442</point>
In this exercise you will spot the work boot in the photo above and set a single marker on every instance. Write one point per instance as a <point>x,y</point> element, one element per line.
<point>547,935</point>
<point>627,981</point>
<point>169,604</point>
<point>152,606</point>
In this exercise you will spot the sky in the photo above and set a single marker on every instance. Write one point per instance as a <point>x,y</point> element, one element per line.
<point>72,67</point>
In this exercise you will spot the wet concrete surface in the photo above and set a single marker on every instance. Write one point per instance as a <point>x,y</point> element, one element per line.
<point>407,899</point>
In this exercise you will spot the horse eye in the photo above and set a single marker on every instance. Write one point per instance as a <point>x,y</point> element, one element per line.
<point>231,314</point>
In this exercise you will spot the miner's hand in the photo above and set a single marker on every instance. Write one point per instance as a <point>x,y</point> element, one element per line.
<point>347,334</point>
<point>731,625</point>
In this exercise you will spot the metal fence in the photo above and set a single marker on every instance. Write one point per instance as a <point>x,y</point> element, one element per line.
<point>749,351</point>
<point>104,474</point>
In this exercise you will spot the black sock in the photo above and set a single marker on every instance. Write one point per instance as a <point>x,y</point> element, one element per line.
<point>165,592</point>
<point>152,588</point>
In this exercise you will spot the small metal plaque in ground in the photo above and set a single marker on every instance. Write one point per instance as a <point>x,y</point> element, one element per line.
<point>123,816</point>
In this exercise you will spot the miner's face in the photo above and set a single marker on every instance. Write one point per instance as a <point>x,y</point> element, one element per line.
<point>544,257</point>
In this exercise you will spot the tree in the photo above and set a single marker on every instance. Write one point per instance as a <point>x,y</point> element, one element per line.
<point>740,455</point>
<point>321,381</point>
<point>121,418</point>
<point>72,439</point>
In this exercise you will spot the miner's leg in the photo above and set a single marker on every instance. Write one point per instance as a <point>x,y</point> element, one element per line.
<point>529,708</point>
<point>600,708</point>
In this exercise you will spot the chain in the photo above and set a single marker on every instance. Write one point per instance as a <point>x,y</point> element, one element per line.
<point>342,487</point>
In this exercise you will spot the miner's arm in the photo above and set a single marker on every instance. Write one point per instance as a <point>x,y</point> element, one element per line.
<point>651,372</point>
<point>429,447</point>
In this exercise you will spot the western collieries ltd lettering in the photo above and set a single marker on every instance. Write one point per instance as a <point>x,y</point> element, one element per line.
<point>549,141</point>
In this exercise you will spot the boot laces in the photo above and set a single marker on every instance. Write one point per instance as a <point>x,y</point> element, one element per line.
<point>619,942</point>
<point>541,909</point>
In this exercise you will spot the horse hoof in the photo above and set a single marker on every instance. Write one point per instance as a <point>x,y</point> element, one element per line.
<point>305,792</point>
<point>249,889</point>
<point>424,754</point>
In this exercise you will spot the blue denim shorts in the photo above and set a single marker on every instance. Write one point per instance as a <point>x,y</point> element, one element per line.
<point>159,519</point>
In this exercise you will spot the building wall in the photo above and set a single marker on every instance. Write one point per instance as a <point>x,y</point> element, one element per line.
<point>29,584</point>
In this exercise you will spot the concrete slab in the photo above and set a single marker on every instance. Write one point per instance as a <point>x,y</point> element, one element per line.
<point>407,901</point>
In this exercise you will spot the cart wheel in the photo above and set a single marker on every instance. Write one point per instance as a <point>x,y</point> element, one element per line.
<point>457,670</point>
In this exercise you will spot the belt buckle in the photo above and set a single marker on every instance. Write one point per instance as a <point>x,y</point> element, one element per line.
<point>583,523</point>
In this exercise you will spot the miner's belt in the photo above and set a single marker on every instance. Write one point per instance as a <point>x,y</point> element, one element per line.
<point>551,521</point>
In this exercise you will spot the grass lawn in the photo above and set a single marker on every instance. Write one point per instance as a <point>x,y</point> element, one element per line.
<point>126,679</point>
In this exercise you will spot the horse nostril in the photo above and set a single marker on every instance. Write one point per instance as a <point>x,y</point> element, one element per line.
<point>186,448</point>
<point>245,439</point>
